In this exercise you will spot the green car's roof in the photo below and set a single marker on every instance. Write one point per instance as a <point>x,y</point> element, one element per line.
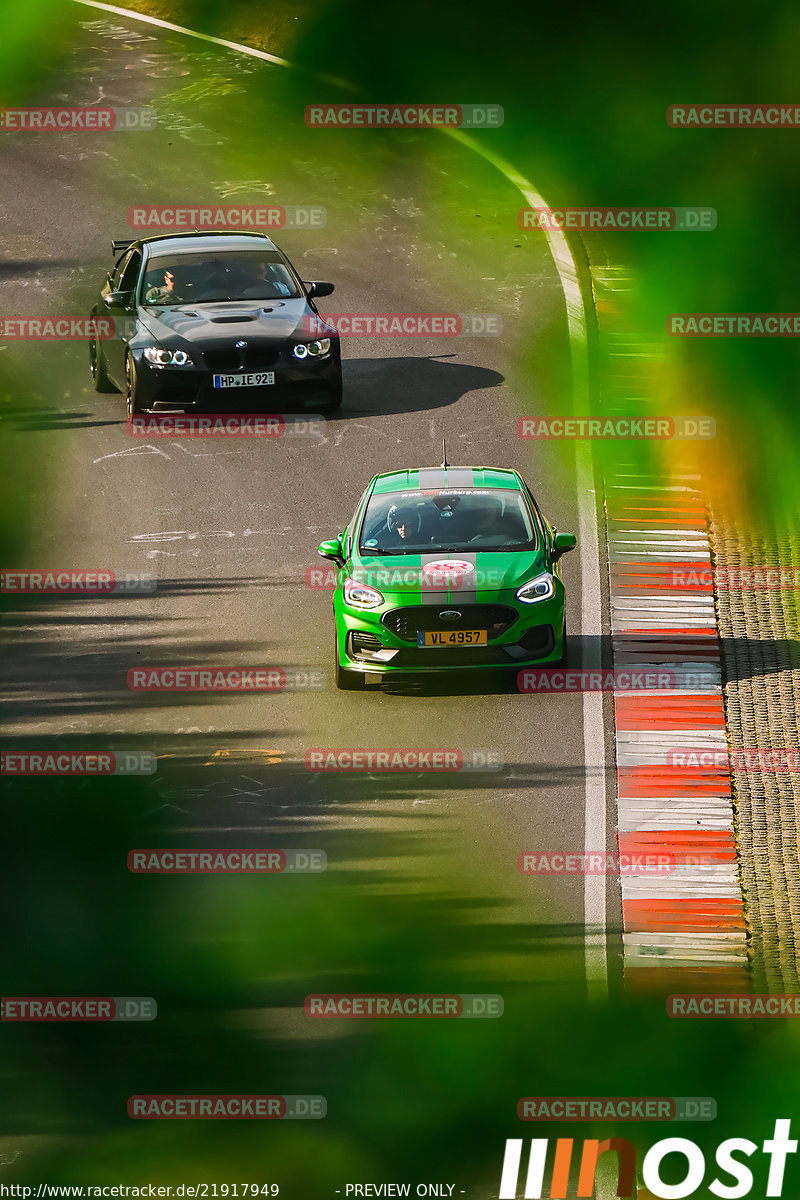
<point>430,478</point>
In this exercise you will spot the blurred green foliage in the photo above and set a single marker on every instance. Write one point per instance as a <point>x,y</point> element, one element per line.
<point>585,94</point>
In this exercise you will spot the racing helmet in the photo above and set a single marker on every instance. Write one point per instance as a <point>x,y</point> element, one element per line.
<point>403,514</point>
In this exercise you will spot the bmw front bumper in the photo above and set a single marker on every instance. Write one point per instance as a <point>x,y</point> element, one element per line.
<point>191,387</point>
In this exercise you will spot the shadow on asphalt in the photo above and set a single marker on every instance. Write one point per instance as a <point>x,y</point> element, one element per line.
<point>372,387</point>
<point>55,676</point>
<point>381,386</point>
<point>748,658</point>
<point>17,268</point>
<point>36,418</point>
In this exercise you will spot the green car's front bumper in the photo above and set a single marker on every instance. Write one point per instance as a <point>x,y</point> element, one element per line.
<point>383,641</point>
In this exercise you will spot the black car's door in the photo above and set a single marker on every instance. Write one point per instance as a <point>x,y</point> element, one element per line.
<point>121,283</point>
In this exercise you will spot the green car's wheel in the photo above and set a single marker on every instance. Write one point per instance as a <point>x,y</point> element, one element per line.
<point>346,681</point>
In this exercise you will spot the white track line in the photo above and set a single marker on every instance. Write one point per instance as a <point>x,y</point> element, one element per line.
<point>595,807</point>
<point>205,37</point>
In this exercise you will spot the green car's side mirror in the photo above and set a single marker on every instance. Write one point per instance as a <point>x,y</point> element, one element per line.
<point>563,542</point>
<point>332,550</point>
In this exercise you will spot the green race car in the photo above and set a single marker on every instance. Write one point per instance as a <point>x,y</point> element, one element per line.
<point>446,568</point>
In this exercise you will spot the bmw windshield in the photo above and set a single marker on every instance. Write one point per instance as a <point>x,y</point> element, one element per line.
<point>204,278</point>
<point>490,519</point>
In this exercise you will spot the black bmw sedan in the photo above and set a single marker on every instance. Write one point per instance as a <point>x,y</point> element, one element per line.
<point>216,322</point>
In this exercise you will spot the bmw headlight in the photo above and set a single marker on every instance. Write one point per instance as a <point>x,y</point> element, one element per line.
<point>540,588</point>
<point>360,595</point>
<point>316,349</point>
<point>166,358</point>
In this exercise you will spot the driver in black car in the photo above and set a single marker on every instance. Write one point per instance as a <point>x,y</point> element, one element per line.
<point>169,292</point>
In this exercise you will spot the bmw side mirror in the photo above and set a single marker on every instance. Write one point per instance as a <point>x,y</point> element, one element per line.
<point>118,299</point>
<point>318,290</point>
<point>562,542</point>
<point>332,550</point>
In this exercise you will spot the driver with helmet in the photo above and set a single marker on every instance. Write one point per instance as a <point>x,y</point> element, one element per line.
<point>403,524</point>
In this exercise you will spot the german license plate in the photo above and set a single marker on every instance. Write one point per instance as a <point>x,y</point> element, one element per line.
<point>452,637</point>
<point>257,379</point>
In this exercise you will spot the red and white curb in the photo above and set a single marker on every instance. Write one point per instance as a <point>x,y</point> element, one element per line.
<point>690,920</point>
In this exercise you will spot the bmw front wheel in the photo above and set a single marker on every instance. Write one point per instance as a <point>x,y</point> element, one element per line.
<point>132,402</point>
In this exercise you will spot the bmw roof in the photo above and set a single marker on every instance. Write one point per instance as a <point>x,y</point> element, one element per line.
<point>172,243</point>
<point>429,478</point>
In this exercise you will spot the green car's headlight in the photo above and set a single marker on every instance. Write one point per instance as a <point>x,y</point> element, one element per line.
<point>316,349</point>
<point>540,588</point>
<point>360,595</point>
<point>166,358</point>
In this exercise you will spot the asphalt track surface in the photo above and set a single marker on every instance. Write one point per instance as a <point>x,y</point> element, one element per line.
<point>231,526</point>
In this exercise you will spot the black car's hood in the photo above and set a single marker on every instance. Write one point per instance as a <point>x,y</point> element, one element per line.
<point>219,325</point>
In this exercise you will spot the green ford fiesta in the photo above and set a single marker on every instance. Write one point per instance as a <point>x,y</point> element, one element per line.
<point>446,568</point>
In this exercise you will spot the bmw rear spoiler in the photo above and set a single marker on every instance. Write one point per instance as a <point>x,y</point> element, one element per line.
<point>118,247</point>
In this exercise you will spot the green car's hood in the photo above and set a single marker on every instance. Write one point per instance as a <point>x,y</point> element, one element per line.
<point>471,576</point>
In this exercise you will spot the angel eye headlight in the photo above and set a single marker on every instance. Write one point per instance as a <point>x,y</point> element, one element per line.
<point>316,349</point>
<point>360,595</point>
<point>540,588</point>
<point>166,358</point>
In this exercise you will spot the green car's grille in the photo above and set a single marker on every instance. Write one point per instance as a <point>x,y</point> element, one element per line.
<point>407,622</point>
<point>539,640</point>
<point>361,643</point>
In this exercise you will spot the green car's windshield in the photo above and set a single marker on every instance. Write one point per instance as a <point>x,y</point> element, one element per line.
<point>459,519</point>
